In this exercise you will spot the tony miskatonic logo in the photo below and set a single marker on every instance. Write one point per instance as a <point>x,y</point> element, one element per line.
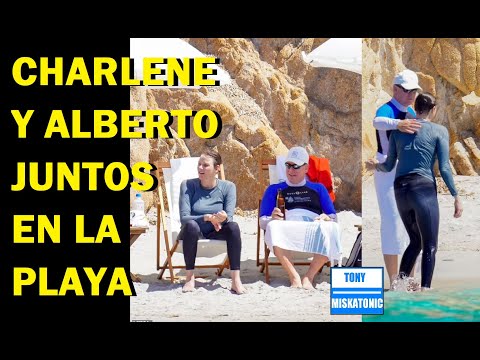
<point>356,291</point>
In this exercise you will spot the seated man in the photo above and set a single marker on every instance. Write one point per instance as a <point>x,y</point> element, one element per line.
<point>309,211</point>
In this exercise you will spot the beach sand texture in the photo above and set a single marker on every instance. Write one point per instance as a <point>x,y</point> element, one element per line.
<point>212,301</point>
<point>458,255</point>
<point>457,267</point>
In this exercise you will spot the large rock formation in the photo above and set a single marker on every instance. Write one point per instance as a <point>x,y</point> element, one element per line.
<point>447,68</point>
<point>274,102</point>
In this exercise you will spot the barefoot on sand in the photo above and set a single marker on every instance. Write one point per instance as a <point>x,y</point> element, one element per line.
<point>296,282</point>
<point>189,284</point>
<point>239,289</point>
<point>160,300</point>
<point>307,284</point>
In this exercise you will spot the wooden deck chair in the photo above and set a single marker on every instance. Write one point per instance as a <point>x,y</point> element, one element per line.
<point>268,167</point>
<point>174,172</point>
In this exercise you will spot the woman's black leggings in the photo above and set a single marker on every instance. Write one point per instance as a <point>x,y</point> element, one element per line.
<point>417,204</point>
<point>230,232</point>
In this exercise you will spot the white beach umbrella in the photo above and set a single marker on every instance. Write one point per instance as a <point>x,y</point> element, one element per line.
<point>339,53</point>
<point>141,48</point>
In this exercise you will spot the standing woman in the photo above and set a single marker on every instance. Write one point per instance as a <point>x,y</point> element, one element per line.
<point>393,115</point>
<point>415,186</point>
<point>207,205</point>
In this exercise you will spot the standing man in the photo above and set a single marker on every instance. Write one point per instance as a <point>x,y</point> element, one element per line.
<point>394,115</point>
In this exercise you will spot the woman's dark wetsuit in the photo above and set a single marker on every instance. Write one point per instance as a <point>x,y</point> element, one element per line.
<point>416,191</point>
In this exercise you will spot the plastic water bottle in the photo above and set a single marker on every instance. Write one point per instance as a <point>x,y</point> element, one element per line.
<point>137,213</point>
<point>138,204</point>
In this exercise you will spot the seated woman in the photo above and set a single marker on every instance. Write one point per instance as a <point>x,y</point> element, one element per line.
<point>206,212</point>
<point>309,203</point>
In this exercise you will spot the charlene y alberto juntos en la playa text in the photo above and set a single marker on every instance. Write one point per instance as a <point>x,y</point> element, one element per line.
<point>40,228</point>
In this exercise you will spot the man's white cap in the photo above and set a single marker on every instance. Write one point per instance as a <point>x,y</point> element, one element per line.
<point>297,155</point>
<point>407,79</point>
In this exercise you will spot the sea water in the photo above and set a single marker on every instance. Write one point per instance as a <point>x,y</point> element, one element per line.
<point>435,305</point>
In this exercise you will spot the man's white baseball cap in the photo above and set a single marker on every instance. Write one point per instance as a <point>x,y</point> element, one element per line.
<point>407,79</point>
<point>297,155</point>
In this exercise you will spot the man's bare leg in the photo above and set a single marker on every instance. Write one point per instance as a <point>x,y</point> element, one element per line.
<point>283,256</point>
<point>315,266</point>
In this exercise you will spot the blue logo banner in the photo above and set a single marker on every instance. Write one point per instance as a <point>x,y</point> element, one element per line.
<point>356,291</point>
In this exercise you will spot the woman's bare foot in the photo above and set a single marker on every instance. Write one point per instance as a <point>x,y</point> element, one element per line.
<point>189,283</point>
<point>307,284</point>
<point>237,285</point>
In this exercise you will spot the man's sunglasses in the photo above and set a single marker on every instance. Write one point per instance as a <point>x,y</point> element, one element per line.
<point>405,90</point>
<point>294,166</point>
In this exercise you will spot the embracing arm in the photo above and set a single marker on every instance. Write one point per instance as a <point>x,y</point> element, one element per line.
<point>385,123</point>
<point>406,126</point>
<point>384,119</point>
<point>388,165</point>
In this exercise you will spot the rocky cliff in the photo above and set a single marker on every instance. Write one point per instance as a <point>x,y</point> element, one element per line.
<point>447,68</point>
<point>275,101</point>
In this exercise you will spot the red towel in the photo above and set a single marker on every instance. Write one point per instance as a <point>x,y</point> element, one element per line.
<point>319,172</point>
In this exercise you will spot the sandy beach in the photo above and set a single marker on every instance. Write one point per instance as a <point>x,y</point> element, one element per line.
<point>457,267</point>
<point>458,254</point>
<point>212,301</point>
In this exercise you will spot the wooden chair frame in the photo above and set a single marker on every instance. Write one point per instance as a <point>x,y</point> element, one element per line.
<point>162,222</point>
<point>265,263</point>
